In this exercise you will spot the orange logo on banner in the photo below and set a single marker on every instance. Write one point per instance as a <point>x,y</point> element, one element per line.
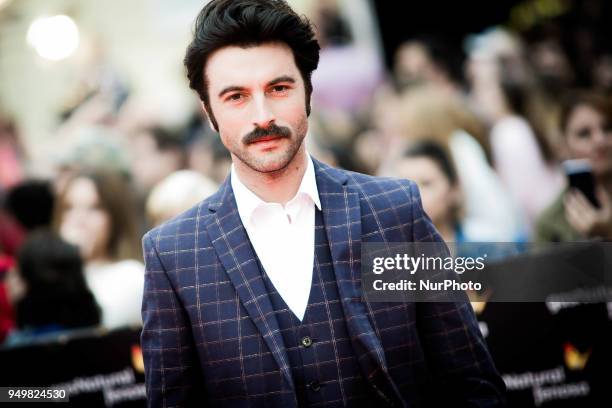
<point>137,360</point>
<point>574,359</point>
<point>478,307</point>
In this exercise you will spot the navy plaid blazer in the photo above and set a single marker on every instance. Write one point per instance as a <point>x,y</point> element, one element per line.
<point>210,336</point>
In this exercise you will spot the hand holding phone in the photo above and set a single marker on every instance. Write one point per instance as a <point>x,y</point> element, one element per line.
<point>588,208</point>
<point>580,176</point>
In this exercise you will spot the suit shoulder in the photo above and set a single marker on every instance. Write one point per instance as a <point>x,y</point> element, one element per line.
<point>389,207</point>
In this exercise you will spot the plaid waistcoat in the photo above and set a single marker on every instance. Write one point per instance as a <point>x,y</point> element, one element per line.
<point>323,364</point>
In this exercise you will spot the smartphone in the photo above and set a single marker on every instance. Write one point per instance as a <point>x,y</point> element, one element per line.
<point>580,176</point>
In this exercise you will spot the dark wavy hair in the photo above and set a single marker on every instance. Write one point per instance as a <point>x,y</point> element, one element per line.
<point>248,23</point>
<point>56,289</point>
<point>435,152</point>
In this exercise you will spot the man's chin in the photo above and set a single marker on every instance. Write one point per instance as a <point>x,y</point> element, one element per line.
<point>270,164</point>
<point>270,168</point>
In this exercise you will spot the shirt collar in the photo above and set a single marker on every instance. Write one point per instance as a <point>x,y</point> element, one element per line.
<point>247,201</point>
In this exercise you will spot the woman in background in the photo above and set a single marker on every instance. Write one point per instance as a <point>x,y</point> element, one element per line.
<point>427,164</point>
<point>586,125</point>
<point>95,211</point>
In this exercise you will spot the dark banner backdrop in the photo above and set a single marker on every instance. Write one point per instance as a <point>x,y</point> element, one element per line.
<point>97,370</point>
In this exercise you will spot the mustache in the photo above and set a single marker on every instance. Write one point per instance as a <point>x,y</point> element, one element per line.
<point>259,133</point>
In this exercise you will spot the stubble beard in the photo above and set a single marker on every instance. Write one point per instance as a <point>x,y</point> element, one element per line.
<point>278,160</point>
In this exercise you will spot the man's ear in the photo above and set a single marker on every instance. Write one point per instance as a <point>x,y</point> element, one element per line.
<point>208,119</point>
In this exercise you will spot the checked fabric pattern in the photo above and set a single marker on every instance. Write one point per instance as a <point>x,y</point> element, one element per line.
<point>210,335</point>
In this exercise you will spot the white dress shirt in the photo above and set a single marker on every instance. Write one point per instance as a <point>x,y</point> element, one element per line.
<point>283,237</point>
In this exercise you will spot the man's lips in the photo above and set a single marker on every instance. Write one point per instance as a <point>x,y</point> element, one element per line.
<point>266,139</point>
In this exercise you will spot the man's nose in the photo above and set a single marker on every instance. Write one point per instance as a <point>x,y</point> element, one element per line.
<point>263,115</point>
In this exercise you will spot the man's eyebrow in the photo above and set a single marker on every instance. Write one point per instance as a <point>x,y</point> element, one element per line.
<point>230,89</point>
<point>284,78</point>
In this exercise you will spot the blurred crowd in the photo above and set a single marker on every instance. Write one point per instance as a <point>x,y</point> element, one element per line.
<point>484,130</point>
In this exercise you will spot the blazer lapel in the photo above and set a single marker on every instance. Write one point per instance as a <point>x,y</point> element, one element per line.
<point>233,248</point>
<point>342,216</point>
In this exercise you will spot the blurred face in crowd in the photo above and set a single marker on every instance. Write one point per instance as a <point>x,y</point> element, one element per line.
<point>149,163</point>
<point>83,221</point>
<point>551,64</point>
<point>412,64</point>
<point>438,195</point>
<point>257,96</point>
<point>589,136</point>
<point>486,93</point>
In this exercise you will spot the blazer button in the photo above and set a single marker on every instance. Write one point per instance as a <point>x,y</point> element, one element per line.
<point>306,341</point>
<point>314,385</point>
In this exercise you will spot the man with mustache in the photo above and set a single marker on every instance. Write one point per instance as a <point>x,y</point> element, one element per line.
<point>253,297</point>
